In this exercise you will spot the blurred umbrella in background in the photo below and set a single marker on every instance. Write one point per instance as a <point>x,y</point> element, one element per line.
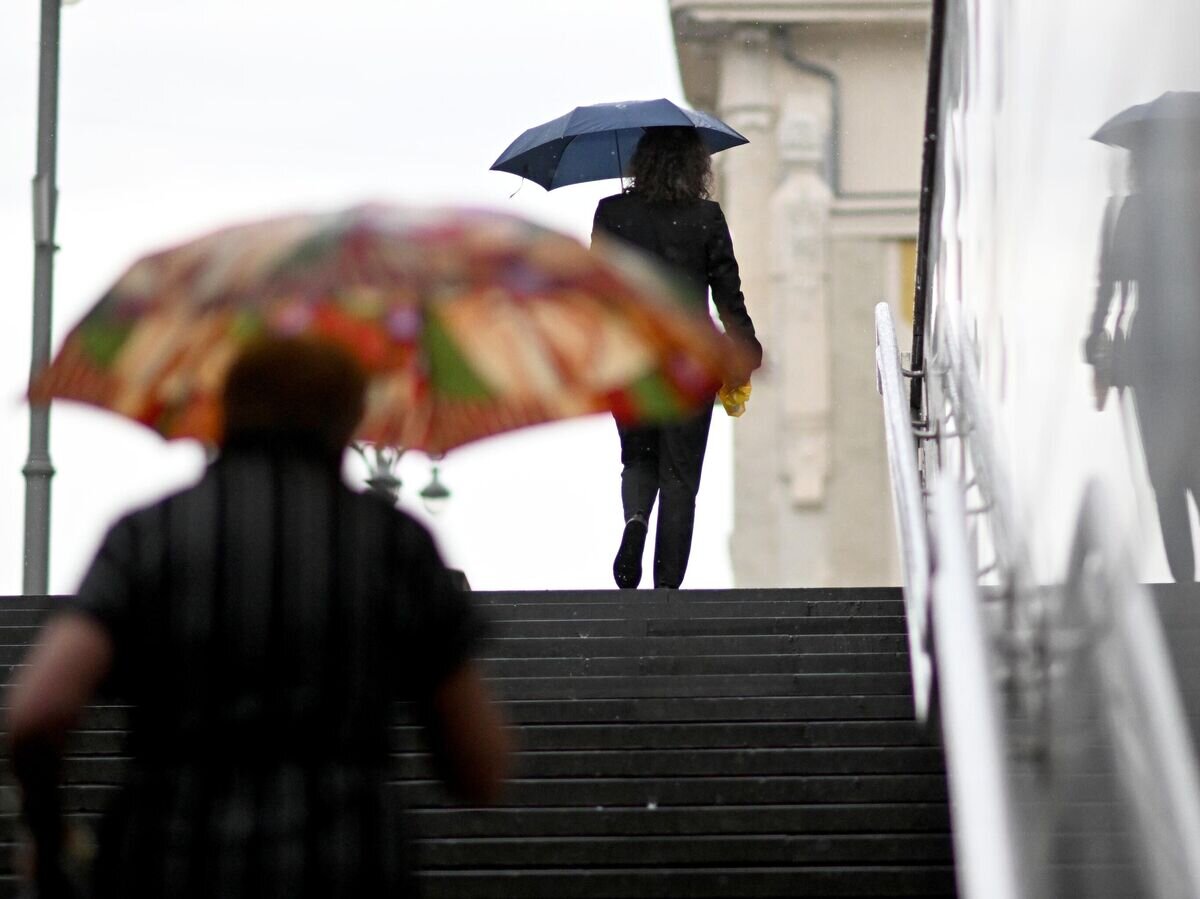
<point>593,143</point>
<point>471,323</point>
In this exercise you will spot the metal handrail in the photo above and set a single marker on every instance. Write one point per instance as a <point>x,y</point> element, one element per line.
<point>907,506</point>
<point>960,381</point>
<point>929,164</point>
<point>1012,660</point>
<point>1141,699</point>
<point>984,834</point>
<point>1144,707</point>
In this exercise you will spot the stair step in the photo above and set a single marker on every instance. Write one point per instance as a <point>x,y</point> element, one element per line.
<point>701,883</point>
<point>15,640</point>
<point>645,792</point>
<point>557,611</point>
<point>828,819</point>
<point>701,735</point>
<point>625,737</point>
<point>14,646</point>
<point>745,644</point>
<point>704,685</point>
<point>725,790</point>
<point>750,708</point>
<point>676,665</point>
<point>621,763</point>
<point>686,626</point>
<point>726,820</point>
<point>22,617</point>
<point>729,849</point>
<point>726,594</point>
<point>35,608</point>
<point>799,709</point>
<point>714,762</point>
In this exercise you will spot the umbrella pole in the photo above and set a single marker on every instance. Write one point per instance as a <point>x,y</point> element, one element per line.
<point>38,470</point>
<point>620,165</point>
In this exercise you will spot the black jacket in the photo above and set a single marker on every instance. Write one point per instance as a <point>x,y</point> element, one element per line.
<point>262,622</point>
<point>693,239</point>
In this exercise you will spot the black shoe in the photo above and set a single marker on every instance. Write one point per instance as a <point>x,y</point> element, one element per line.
<point>627,566</point>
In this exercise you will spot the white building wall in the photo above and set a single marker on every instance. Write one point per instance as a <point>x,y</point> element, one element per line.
<point>816,215</point>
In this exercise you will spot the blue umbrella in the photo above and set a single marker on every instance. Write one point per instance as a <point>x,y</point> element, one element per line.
<point>591,143</point>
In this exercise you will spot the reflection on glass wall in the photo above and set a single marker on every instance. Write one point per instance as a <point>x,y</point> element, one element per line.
<point>1065,268</point>
<point>1144,333</point>
<point>1067,214</point>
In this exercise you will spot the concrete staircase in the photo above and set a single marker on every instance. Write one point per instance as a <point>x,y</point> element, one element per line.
<point>674,744</point>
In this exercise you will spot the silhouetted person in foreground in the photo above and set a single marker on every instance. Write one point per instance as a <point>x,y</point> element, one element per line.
<point>667,213</point>
<point>1150,265</point>
<point>260,624</point>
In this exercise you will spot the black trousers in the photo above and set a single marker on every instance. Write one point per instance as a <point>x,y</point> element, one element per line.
<point>665,461</point>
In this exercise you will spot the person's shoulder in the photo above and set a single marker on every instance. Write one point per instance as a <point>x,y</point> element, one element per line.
<point>713,218</point>
<point>368,502</point>
<point>371,504</point>
<point>615,201</point>
<point>138,521</point>
<point>150,513</point>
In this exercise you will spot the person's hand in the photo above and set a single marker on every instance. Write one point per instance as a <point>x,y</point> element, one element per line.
<point>1097,349</point>
<point>739,363</point>
<point>1098,353</point>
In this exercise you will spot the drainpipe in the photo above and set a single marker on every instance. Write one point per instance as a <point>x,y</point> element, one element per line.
<point>834,154</point>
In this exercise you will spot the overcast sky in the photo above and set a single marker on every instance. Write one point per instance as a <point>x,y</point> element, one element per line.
<point>177,117</point>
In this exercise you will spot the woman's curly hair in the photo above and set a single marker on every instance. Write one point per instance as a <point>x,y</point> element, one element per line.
<point>670,165</point>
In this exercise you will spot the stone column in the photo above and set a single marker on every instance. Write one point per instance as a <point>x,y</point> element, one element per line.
<point>747,177</point>
<point>800,277</point>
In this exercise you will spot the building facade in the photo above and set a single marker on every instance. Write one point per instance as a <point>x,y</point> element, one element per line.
<point>822,205</point>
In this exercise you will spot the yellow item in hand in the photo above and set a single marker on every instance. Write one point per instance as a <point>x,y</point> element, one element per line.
<point>734,398</point>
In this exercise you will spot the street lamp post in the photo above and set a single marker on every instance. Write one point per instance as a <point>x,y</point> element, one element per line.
<point>435,495</point>
<point>383,467</point>
<point>383,478</point>
<point>383,475</point>
<point>38,469</point>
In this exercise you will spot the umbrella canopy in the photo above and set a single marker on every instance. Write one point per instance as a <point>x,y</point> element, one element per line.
<point>592,143</point>
<point>470,323</point>
<point>1175,114</point>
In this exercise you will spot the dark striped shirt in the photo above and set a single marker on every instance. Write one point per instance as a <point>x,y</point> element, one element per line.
<point>264,621</point>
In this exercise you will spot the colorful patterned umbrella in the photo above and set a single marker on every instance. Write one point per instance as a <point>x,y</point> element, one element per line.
<point>471,323</point>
